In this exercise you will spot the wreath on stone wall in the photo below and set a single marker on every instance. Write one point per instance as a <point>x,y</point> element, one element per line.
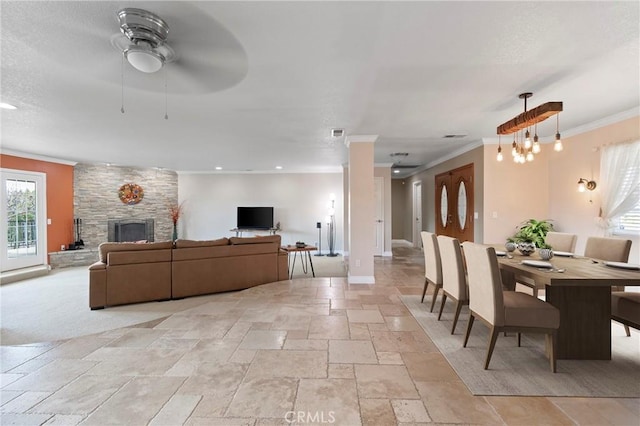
<point>131,193</point>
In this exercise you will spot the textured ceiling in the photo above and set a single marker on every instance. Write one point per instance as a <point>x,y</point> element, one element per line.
<point>261,84</point>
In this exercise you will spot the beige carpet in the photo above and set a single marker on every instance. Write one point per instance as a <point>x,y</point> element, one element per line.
<point>323,266</point>
<point>56,306</point>
<point>525,370</point>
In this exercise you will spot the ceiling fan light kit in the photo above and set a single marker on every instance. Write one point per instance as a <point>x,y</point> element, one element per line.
<point>145,46</point>
<point>523,149</point>
<point>143,59</point>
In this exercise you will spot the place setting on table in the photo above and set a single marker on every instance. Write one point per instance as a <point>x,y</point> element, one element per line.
<point>562,262</point>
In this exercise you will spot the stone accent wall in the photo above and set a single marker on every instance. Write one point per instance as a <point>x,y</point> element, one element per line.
<point>95,199</point>
<point>65,259</point>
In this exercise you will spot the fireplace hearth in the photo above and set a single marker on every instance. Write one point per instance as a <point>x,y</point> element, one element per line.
<point>129,230</point>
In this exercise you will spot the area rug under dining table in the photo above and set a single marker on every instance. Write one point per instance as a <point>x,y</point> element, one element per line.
<point>525,370</point>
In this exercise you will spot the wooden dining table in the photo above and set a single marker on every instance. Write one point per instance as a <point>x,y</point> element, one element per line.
<point>580,288</point>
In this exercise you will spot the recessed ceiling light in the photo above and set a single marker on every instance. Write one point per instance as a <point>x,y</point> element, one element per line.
<point>396,171</point>
<point>278,167</point>
<point>218,168</point>
<point>7,106</point>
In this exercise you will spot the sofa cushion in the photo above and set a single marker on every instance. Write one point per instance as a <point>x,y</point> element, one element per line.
<point>201,243</point>
<point>105,248</point>
<point>255,240</point>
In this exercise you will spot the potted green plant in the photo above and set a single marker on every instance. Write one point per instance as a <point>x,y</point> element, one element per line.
<point>531,234</point>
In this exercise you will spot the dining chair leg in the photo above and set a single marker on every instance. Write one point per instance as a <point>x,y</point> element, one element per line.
<point>466,337</point>
<point>492,344</point>
<point>456,316</point>
<point>552,350</point>
<point>626,330</point>
<point>424,290</point>
<point>519,334</point>
<point>435,296</point>
<point>444,298</point>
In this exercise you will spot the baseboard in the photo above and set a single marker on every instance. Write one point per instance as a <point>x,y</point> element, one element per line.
<point>23,274</point>
<point>387,254</point>
<point>361,279</point>
<point>402,243</point>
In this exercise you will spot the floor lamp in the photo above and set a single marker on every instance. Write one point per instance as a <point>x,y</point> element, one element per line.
<point>332,226</point>
<point>319,226</point>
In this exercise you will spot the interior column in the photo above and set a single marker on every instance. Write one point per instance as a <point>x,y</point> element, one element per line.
<point>361,224</point>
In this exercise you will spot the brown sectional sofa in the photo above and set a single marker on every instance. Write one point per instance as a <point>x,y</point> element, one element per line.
<point>131,273</point>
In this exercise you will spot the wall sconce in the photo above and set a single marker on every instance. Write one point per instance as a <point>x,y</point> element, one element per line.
<point>584,184</point>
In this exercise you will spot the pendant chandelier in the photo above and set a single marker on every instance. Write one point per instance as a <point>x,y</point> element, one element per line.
<point>523,147</point>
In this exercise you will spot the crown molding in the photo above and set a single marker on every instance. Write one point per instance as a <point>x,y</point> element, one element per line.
<point>37,157</point>
<point>326,170</point>
<point>449,156</point>
<point>606,121</point>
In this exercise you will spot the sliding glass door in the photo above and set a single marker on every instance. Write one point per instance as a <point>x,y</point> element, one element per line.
<point>23,219</point>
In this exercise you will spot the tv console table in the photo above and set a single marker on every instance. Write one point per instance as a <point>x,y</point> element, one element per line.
<point>239,231</point>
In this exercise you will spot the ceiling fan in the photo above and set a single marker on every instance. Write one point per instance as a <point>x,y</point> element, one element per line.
<point>143,39</point>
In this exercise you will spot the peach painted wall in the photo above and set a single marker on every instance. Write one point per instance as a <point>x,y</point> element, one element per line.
<point>59,196</point>
<point>513,192</point>
<point>581,159</point>
<point>547,187</point>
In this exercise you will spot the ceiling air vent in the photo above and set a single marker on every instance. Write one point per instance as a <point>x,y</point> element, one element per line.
<point>454,136</point>
<point>337,133</point>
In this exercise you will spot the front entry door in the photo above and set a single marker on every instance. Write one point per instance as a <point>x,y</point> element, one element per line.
<point>454,203</point>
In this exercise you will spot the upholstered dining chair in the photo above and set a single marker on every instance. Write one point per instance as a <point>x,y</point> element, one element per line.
<point>561,241</point>
<point>432,265</point>
<point>614,250</point>
<point>454,276</point>
<point>505,310</point>
<point>608,249</point>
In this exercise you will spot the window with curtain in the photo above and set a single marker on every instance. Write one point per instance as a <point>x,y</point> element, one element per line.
<point>620,188</point>
<point>628,223</point>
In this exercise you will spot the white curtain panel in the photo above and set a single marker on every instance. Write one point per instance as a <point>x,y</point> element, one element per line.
<point>619,181</point>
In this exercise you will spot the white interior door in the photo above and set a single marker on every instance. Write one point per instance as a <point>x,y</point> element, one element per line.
<point>23,219</point>
<point>417,214</point>
<point>379,216</point>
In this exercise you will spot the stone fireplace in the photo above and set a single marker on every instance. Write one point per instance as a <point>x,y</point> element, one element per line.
<point>97,203</point>
<point>129,230</point>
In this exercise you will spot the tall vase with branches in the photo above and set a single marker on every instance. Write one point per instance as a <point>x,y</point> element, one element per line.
<point>175,212</point>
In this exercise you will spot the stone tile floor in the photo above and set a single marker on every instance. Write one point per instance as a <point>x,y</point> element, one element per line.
<point>304,351</point>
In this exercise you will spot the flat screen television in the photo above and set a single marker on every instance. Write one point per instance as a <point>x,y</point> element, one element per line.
<point>255,218</point>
